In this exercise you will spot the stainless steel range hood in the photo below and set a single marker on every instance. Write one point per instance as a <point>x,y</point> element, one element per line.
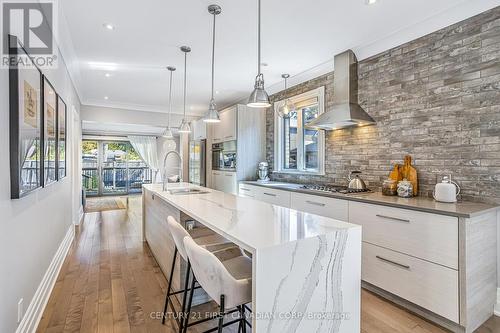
<point>345,111</point>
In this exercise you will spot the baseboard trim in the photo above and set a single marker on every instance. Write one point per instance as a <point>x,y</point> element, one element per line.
<point>497,306</point>
<point>33,314</point>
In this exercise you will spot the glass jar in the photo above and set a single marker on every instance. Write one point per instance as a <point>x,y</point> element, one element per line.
<point>405,189</point>
<point>389,187</point>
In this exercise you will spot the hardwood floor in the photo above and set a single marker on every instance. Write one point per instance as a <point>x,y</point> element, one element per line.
<point>110,282</point>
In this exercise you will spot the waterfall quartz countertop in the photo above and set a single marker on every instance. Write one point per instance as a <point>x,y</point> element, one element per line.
<point>306,269</point>
<point>465,209</point>
<point>249,223</point>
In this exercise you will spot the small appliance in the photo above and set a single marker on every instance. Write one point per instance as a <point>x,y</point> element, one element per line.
<point>263,172</point>
<point>446,191</point>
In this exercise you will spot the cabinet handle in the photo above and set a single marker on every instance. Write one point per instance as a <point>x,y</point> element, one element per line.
<point>152,196</point>
<point>316,203</point>
<point>270,194</point>
<point>228,175</point>
<point>392,218</point>
<point>392,262</point>
<point>228,136</point>
<point>244,189</point>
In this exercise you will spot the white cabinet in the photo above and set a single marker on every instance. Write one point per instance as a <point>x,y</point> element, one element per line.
<point>224,181</point>
<point>199,130</point>
<point>334,208</point>
<point>225,130</point>
<point>426,284</point>
<point>427,236</point>
<point>247,191</point>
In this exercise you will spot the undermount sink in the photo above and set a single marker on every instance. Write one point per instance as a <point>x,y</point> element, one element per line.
<point>182,191</point>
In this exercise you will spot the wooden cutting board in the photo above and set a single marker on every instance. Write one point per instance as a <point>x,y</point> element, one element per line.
<point>409,173</point>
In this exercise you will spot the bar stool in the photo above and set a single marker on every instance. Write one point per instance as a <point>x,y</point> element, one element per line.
<point>228,282</point>
<point>212,242</point>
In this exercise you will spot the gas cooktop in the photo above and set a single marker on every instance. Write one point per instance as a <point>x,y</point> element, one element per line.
<point>333,189</point>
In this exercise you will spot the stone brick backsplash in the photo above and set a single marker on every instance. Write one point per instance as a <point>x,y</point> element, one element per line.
<point>436,98</point>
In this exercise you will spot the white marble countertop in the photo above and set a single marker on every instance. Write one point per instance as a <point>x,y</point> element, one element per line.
<point>250,223</point>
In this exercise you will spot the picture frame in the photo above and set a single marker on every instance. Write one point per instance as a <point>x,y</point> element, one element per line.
<point>49,136</point>
<point>62,122</point>
<point>25,120</point>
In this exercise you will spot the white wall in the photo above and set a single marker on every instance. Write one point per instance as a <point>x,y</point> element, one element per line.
<point>31,228</point>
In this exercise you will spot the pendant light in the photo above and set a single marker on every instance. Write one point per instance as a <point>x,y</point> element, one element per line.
<point>168,131</point>
<point>259,98</point>
<point>185,128</point>
<point>287,107</point>
<point>212,115</point>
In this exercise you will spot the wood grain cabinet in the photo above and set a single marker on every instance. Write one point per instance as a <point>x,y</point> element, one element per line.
<point>314,204</point>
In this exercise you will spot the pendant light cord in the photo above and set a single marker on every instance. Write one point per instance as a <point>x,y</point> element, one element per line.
<point>258,39</point>
<point>170,100</point>
<point>185,84</point>
<point>213,56</point>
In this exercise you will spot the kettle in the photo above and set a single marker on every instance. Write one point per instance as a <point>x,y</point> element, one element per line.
<point>356,183</point>
<point>446,191</point>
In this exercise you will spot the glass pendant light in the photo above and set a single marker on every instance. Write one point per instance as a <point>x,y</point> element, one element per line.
<point>212,115</point>
<point>259,98</point>
<point>185,128</point>
<point>168,131</point>
<point>287,107</point>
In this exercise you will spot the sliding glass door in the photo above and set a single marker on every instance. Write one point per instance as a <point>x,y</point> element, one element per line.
<point>113,168</point>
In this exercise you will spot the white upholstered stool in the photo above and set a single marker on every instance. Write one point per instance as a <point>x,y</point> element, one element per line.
<point>228,282</point>
<point>212,242</point>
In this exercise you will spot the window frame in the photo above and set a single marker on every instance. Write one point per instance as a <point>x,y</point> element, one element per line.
<point>279,139</point>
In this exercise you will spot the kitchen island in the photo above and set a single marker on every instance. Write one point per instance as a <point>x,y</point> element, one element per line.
<point>306,268</point>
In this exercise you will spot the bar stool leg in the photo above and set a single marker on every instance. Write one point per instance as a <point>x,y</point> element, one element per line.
<point>243,319</point>
<point>221,313</point>
<point>186,322</point>
<point>167,299</point>
<point>186,282</point>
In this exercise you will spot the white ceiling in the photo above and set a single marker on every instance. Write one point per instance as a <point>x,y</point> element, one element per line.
<point>299,37</point>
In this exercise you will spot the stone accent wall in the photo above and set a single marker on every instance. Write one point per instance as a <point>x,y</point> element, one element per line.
<point>436,98</point>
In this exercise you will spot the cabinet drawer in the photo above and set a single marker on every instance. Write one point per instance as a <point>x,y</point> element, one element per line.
<point>427,236</point>
<point>329,207</point>
<point>428,285</point>
<point>275,197</point>
<point>247,191</point>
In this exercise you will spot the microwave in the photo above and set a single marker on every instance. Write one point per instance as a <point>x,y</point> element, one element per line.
<point>224,156</point>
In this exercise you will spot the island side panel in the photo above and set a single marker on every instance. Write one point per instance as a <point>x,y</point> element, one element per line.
<point>157,235</point>
<point>311,285</point>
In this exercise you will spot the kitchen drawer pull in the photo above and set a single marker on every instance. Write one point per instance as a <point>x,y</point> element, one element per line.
<point>270,194</point>
<point>316,203</point>
<point>228,136</point>
<point>227,175</point>
<point>244,189</point>
<point>392,218</point>
<point>393,262</point>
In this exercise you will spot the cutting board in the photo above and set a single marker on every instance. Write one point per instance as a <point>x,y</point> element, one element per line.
<point>410,173</point>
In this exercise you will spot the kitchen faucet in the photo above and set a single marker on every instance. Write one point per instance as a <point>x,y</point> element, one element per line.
<point>165,177</point>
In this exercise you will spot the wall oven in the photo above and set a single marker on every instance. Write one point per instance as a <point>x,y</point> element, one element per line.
<point>224,156</point>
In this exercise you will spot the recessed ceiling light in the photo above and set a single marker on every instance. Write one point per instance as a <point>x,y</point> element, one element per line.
<point>217,92</point>
<point>370,2</point>
<point>107,75</point>
<point>109,26</point>
<point>106,97</point>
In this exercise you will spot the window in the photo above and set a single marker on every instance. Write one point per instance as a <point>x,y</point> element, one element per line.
<point>299,149</point>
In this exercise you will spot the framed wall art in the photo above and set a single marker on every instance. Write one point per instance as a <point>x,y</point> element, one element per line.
<point>61,138</point>
<point>25,82</point>
<point>49,132</point>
